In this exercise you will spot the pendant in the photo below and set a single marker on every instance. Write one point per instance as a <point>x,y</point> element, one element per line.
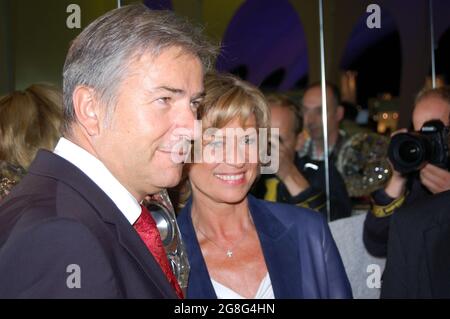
<point>229,253</point>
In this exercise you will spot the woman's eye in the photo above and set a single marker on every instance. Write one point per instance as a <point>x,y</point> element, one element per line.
<point>195,105</point>
<point>216,144</point>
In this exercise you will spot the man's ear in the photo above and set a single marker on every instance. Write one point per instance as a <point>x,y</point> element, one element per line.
<point>86,109</point>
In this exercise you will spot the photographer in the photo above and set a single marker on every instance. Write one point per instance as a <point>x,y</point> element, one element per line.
<point>403,189</point>
<point>418,262</point>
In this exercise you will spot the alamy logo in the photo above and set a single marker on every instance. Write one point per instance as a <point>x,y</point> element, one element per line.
<point>73,21</point>
<point>373,21</point>
<point>214,145</point>
<point>74,279</point>
<point>374,279</point>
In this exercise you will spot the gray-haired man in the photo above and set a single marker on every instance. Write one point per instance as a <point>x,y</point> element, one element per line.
<point>74,226</point>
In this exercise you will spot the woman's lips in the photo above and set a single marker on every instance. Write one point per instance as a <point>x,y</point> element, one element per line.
<point>231,179</point>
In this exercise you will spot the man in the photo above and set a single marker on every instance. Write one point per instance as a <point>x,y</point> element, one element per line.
<point>313,150</point>
<point>298,182</point>
<point>74,228</point>
<point>432,104</point>
<point>312,117</point>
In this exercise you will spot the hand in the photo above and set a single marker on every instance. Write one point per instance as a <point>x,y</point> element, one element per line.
<point>286,160</point>
<point>288,173</point>
<point>436,179</point>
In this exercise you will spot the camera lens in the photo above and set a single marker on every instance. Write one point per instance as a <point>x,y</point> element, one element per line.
<point>410,152</point>
<point>407,152</point>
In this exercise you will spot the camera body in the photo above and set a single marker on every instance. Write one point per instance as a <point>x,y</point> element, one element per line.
<point>409,152</point>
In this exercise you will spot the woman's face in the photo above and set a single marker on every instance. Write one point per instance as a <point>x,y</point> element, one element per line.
<point>229,163</point>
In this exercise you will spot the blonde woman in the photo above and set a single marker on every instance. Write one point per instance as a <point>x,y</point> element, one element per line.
<point>239,246</point>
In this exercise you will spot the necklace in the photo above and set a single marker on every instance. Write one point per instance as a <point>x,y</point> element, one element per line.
<point>229,250</point>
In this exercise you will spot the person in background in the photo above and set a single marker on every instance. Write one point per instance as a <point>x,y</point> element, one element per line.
<point>297,183</point>
<point>239,246</point>
<point>311,156</point>
<point>430,104</point>
<point>29,120</point>
<point>311,106</point>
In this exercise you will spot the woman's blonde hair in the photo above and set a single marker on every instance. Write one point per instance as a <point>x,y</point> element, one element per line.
<point>228,97</point>
<point>29,120</point>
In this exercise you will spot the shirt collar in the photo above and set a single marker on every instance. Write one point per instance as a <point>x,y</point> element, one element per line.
<point>101,176</point>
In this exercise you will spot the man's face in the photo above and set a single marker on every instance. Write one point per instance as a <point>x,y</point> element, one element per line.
<point>430,108</point>
<point>283,118</point>
<point>156,109</point>
<point>312,113</point>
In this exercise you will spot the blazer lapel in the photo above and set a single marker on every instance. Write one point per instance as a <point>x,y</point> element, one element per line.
<point>199,285</point>
<point>51,165</point>
<point>280,248</point>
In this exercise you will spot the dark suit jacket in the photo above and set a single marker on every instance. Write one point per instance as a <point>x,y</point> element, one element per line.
<point>57,217</point>
<point>299,251</point>
<point>418,261</point>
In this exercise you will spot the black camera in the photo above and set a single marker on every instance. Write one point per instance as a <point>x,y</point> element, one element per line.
<point>409,152</point>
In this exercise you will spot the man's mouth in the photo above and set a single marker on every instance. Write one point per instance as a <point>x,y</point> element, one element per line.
<point>179,151</point>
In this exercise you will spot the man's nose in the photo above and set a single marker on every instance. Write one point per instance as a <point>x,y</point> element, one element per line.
<point>187,121</point>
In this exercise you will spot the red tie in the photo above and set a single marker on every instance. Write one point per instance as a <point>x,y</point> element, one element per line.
<point>146,228</point>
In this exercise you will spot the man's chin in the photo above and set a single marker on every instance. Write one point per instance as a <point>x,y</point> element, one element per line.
<point>171,179</point>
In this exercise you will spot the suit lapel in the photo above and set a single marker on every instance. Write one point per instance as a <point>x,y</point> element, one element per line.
<point>280,248</point>
<point>51,165</point>
<point>131,241</point>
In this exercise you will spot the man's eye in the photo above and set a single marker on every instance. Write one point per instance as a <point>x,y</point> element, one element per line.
<point>164,100</point>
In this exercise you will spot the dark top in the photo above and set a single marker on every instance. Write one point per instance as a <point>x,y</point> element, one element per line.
<point>313,197</point>
<point>376,229</point>
<point>418,261</point>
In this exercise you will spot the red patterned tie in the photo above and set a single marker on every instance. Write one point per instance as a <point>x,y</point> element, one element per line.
<point>146,228</point>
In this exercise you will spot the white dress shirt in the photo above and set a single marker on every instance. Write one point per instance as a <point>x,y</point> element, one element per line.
<point>101,176</point>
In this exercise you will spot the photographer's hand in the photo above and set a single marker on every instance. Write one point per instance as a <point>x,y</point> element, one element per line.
<point>436,179</point>
<point>396,185</point>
